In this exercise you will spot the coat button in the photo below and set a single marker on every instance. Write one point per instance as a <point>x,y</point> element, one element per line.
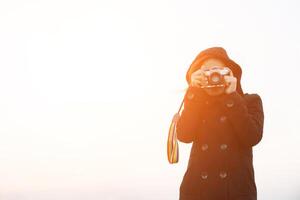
<point>204,147</point>
<point>223,174</point>
<point>223,119</point>
<point>203,121</point>
<point>190,96</point>
<point>230,104</point>
<point>223,146</point>
<point>206,102</point>
<point>204,175</point>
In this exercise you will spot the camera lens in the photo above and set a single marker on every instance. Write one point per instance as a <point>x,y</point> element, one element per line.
<point>215,78</point>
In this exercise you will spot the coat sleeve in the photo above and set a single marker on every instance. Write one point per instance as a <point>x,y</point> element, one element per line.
<point>246,116</point>
<point>188,122</point>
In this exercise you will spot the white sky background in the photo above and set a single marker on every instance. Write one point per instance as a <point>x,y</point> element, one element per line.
<point>88,90</point>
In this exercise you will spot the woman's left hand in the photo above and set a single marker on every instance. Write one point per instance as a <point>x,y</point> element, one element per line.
<point>231,81</point>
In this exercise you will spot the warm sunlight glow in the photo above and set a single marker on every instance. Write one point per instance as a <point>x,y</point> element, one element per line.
<point>88,90</point>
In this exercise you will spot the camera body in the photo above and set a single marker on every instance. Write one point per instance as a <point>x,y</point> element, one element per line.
<point>215,77</point>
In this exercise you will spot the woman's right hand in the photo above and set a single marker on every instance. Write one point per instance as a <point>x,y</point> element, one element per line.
<point>198,79</point>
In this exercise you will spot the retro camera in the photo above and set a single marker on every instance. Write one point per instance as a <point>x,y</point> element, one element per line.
<point>215,77</point>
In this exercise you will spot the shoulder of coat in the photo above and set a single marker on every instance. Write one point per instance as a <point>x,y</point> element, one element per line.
<point>252,97</point>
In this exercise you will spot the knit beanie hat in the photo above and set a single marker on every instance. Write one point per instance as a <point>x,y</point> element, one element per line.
<point>220,54</point>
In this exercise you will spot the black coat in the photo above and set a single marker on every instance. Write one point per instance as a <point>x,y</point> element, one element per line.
<point>223,130</point>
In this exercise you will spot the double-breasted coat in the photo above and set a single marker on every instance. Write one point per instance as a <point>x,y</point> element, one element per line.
<point>222,131</point>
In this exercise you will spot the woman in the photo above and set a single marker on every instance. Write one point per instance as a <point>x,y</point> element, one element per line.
<point>223,125</point>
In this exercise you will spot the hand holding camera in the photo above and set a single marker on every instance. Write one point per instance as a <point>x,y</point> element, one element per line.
<point>214,80</point>
<point>231,82</point>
